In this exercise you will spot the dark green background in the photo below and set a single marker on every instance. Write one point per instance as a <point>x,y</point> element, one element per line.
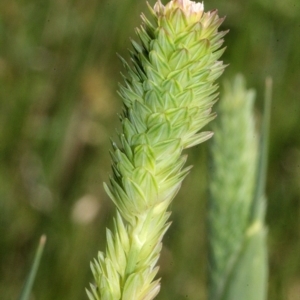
<point>58,109</point>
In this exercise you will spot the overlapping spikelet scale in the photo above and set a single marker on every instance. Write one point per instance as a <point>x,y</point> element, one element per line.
<point>168,94</point>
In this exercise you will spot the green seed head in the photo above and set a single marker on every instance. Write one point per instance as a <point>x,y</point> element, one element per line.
<point>237,244</point>
<point>168,94</point>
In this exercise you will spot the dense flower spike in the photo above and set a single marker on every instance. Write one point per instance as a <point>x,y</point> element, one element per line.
<point>237,238</point>
<point>167,95</point>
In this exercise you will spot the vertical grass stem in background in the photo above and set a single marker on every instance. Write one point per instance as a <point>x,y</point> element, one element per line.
<point>25,294</point>
<point>236,226</point>
<point>168,95</point>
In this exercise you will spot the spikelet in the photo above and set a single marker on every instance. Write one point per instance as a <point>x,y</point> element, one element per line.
<point>236,229</point>
<point>168,94</point>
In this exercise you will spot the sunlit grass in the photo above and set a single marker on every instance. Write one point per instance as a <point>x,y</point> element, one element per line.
<point>58,76</point>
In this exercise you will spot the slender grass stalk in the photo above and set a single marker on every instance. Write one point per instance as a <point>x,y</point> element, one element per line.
<point>25,294</point>
<point>167,95</point>
<point>237,232</point>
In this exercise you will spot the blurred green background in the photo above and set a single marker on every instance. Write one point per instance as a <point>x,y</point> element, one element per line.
<point>58,110</point>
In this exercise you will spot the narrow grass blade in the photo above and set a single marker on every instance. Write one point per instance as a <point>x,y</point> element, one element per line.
<point>258,201</point>
<point>34,268</point>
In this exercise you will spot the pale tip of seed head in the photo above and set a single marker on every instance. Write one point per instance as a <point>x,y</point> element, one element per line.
<point>190,8</point>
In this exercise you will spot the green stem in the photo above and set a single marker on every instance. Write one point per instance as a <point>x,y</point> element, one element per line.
<point>34,268</point>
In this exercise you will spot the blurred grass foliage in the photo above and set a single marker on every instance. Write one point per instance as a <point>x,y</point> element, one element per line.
<point>58,76</point>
